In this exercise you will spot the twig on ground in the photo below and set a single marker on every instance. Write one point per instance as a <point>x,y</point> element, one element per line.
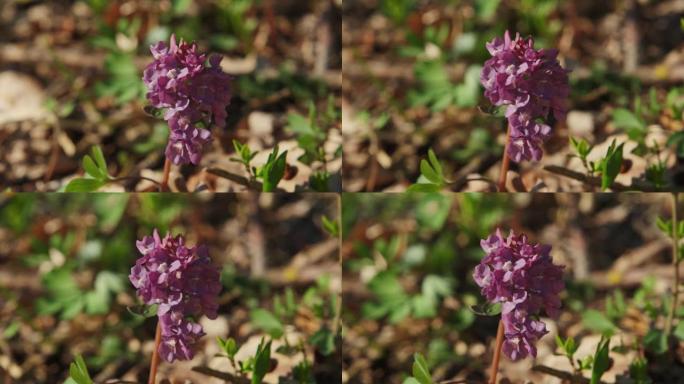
<point>230,378</point>
<point>596,181</point>
<point>562,374</point>
<point>125,178</point>
<point>235,178</point>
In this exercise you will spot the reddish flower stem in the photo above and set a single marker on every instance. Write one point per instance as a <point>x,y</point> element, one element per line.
<point>505,162</point>
<point>155,356</point>
<point>497,353</point>
<point>165,178</point>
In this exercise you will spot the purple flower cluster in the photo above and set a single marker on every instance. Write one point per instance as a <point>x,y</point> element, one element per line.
<point>185,285</point>
<point>522,277</point>
<point>532,84</point>
<point>193,91</point>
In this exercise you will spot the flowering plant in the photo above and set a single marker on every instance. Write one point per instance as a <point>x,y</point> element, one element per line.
<point>532,84</point>
<point>183,283</point>
<point>193,91</point>
<point>522,277</point>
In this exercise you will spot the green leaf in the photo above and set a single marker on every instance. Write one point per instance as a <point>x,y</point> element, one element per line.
<point>267,322</point>
<point>559,342</point>
<point>679,330</point>
<point>84,185</point>
<point>330,226</point>
<point>310,137</point>
<point>320,181</point>
<point>156,141</point>
<point>98,156</point>
<point>435,163</point>
<point>656,341</point>
<point>432,210</point>
<point>580,146</point>
<point>229,346</point>
<point>480,141</point>
<point>654,105</point>
<point>237,146</point>
<point>143,311</point>
<point>638,371</point>
<point>435,286</point>
<point>96,302</point>
<point>665,226</point>
<point>586,363</point>
<point>290,302</point>
<point>106,285</point>
<point>485,9</point>
<point>570,346</point>
<point>424,188</point>
<point>109,209</point>
<point>420,369</point>
<point>486,309</point>
<point>262,362</point>
<point>399,312</point>
<point>615,305</point>
<point>110,282</point>
<point>610,166</point>
<point>424,306</point>
<point>299,124</point>
<point>244,152</point>
<point>90,168</point>
<point>73,308</point>
<point>597,321</point>
<point>61,284</point>
<point>324,341</point>
<point>429,173</point>
<point>273,170</point>
<point>180,6</point>
<point>625,119</point>
<point>676,140</point>
<point>78,371</point>
<point>11,330</point>
<point>411,380</point>
<point>386,286</point>
<point>601,360</point>
<point>467,94</point>
<point>111,348</point>
<point>432,74</point>
<point>123,81</point>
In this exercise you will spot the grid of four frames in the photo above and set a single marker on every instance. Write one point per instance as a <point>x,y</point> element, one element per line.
<point>328,191</point>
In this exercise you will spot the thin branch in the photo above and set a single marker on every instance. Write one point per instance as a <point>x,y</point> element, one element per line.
<point>578,379</point>
<point>596,181</point>
<point>462,183</point>
<point>230,378</point>
<point>236,178</point>
<point>124,178</point>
